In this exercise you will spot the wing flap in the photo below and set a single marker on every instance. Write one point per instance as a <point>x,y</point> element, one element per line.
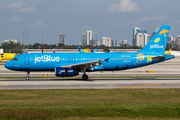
<point>87,65</point>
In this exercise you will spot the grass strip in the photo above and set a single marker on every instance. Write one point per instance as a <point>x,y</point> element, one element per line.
<point>90,104</point>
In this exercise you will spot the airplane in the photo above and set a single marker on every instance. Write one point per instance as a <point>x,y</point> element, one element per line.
<point>70,64</point>
<point>6,56</point>
<point>85,50</point>
<point>168,52</point>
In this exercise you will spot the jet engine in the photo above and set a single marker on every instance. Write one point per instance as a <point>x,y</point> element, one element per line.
<point>64,71</point>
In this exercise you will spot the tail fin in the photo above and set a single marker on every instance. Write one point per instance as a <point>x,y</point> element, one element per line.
<point>80,50</point>
<point>158,42</point>
<point>95,50</point>
<point>168,52</point>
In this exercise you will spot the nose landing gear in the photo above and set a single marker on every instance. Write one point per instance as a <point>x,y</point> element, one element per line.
<point>27,77</point>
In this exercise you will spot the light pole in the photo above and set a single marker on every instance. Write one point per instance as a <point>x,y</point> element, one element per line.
<point>27,42</point>
<point>23,42</point>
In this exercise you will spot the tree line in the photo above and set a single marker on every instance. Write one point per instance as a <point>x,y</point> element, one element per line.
<point>17,48</point>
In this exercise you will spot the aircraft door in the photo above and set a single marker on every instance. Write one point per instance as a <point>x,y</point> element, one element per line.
<point>27,60</point>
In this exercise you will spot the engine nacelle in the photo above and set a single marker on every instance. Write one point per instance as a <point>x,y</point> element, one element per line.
<point>63,71</point>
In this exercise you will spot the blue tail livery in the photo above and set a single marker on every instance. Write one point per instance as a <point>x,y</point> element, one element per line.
<point>71,64</point>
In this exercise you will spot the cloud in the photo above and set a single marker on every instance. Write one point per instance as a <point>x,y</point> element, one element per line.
<point>14,19</point>
<point>20,7</point>
<point>38,24</point>
<point>124,6</point>
<point>155,18</point>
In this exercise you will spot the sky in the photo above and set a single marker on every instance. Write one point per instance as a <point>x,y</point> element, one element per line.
<point>111,18</point>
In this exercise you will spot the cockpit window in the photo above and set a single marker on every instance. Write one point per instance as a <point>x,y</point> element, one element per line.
<point>15,59</point>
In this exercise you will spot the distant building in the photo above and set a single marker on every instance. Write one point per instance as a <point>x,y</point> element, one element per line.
<point>141,38</point>
<point>114,43</point>
<point>146,38</point>
<point>103,41</point>
<point>83,39</point>
<point>178,40</point>
<point>106,41</point>
<point>124,42</point>
<point>79,44</point>
<point>134,35</point>
<point>89,37</point>
<point>9,41</point>
<point>63,39</point>
<point>94,42</point>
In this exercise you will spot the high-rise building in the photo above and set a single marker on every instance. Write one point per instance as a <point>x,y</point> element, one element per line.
<point>141,38</point>
<point>178,40</point>
<point>94,43</point>
<point>106,41</point>
<point>63,39</point>
<point>89,37</point>
<point>146,38</point>
<point>155,30</point>
<point>83,39</point>
<point>103,41</point>
<point>114,43</point>
<point>134,35</point>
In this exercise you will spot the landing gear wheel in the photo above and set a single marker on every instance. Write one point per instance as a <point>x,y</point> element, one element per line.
<point>27,78</point>
<point>85,77</point>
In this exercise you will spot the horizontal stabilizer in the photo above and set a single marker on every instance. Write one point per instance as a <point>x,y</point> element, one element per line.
<point>159,57</point>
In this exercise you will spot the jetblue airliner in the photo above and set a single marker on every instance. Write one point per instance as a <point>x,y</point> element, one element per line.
<point>70,64</point>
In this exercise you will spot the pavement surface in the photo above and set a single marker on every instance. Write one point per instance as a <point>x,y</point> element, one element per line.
<point>167,68</point>
<point>120,83</point>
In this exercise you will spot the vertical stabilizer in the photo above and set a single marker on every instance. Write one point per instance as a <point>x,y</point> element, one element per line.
<point>158,42</point>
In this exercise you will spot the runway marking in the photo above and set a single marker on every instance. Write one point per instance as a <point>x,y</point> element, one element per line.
<point>133,74</point>
<point>2,85</point>
<point>140,86</point>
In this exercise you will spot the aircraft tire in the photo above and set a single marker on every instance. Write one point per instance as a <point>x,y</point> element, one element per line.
<point>27,78</point>
<point>85,77</point>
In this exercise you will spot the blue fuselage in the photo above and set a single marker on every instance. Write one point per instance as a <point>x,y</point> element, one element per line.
<point>50,61</point>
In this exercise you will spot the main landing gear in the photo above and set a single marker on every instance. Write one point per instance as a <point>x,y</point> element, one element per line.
<point>27,77</point>
<point>85,77</point>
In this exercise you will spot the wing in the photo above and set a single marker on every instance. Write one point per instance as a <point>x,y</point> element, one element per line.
<point>86,65</point>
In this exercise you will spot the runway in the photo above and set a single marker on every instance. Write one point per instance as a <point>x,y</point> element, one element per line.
<point>167,68</point>
<point>115,83</point>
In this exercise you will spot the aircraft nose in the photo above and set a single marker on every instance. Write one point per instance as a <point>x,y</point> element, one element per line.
<point>7,65</point>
